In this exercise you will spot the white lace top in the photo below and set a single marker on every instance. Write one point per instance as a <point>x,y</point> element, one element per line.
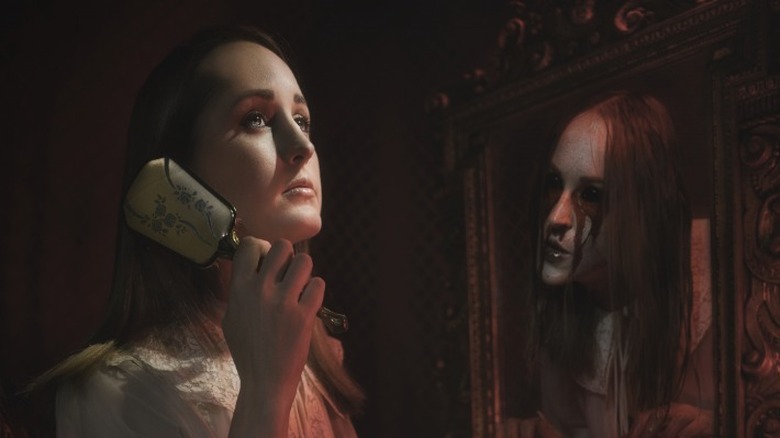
<point>170,386</point>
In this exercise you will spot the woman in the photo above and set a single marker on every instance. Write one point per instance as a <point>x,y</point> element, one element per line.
<point>227,106</point>
<point>612,283</point>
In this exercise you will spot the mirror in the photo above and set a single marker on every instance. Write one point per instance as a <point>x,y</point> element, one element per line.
<point>713,66</point>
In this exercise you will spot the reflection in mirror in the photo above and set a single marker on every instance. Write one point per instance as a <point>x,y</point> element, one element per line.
<point>618,312</point>
<point>713,66</point>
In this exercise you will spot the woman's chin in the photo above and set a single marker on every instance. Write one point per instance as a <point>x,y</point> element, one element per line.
<point>555,280</point>
<point>295,228</point>
<point>301,230</point>
<point>555,277</point>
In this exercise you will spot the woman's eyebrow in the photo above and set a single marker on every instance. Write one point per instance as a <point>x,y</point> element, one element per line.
<point>591,180</point>
<point>262,93</point>
<point>265,94</point>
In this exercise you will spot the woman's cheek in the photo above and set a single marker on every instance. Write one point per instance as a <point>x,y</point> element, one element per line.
<point>586,228</point>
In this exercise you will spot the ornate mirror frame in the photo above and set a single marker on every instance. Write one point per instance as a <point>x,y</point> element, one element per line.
<point>550,53</point>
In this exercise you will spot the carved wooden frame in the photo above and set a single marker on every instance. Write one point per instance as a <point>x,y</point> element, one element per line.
<point>739,37</point>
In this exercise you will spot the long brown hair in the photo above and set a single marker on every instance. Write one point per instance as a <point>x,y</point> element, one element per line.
<point>153,287</point>
<point>648,217</point>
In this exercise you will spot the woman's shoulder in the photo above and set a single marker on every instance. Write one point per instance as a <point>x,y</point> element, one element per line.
<point>110,377</point>
<point>120,394</point>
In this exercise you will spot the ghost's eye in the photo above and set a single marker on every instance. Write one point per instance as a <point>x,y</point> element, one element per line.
<point>592,194</point>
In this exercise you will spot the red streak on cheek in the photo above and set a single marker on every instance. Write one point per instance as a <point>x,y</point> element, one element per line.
<point>579,223</point>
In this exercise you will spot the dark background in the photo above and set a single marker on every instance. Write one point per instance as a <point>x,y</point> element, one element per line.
<point>69,72</point>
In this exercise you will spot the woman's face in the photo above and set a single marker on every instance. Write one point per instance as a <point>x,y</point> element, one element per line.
<point>253,147</point>
<point>573,246</point>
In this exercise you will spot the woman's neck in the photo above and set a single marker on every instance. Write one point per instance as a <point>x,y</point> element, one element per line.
<point>599,290</point>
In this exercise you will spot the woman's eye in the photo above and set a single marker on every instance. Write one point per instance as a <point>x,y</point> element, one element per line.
<point>553,188</point>
<point>304,123</point>
<point>254,120</point>
<point>592,194</point>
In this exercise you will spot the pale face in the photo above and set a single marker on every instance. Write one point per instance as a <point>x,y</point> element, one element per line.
<point>573,246</point>
<point>253,147</point>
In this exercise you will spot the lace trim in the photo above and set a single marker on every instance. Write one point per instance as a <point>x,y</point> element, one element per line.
<point>209,380</point>
<point>205,379</point>
<point>603,354</point>
<point>309,416</point>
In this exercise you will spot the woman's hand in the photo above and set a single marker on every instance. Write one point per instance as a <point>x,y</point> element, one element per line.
<point>268,325</point>
<point>535,427</point>
<point>683,420</point>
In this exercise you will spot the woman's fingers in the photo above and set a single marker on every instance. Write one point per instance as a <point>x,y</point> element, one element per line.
<point>313,294</point>
<point>248,254</point>
<point>299,287</point>
<point>277,260</point>
<point>297,275</point>
<point>278,269</point>
<point>267,328</point>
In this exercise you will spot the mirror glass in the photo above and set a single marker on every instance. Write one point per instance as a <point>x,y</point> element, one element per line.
<point>713,67</point>
<point>515,152</point>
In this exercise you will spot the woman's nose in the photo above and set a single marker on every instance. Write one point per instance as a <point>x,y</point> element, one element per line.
<point>561,217</point>
<point>293,145</point>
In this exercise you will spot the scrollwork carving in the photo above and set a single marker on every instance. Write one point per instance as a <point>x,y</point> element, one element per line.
<point>541,34</point>
<point>513,34</point>
<point>438,102</point>
<point>759,153</point>
<point>583,12</point>
<point>763,333</point>
<point>760,367</point>
<point>765,418</point>
<point>633,16</point>
<point>471,84</point>
<point>587,35</point>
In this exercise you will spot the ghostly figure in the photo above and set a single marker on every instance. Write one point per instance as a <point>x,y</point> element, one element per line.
<point>613,299</point>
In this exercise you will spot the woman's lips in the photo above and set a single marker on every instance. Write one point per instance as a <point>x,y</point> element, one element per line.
<point>554,252</point>
<point>300,186</point>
